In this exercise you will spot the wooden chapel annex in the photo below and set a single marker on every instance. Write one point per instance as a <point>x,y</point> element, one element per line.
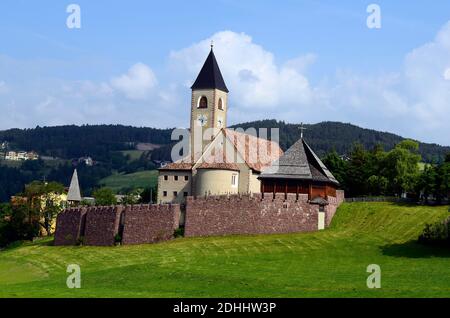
<point>300,171</point>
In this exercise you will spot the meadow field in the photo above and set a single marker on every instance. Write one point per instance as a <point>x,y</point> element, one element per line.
<point>331,263</point>
<point>120,181</point>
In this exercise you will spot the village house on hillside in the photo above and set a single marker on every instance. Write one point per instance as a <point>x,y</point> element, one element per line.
<point>21,155</point>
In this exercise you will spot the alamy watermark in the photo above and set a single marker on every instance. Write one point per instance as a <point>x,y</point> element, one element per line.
<point>74,19</point>
<point>233,146</point>
<point>374,279</point>
<point>374,18</point>
<point>74,279</point>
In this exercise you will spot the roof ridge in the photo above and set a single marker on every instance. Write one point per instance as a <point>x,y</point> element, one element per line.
<point>322,166</point>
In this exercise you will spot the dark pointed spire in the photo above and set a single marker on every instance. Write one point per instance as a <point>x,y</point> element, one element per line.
<point>210,76</point>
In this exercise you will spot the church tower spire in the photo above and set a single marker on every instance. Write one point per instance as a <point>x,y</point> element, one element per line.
<point>74,195</point>
<point>209,105</point>
<point>210,76</point>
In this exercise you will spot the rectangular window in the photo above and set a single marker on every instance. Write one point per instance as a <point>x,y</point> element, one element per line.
<point>186,194</point>
<point>166,178</point>
<point>164,193</point>
<point>175,193</point>
<point>234,180</point>
<point>321,208</point>
<point>186,178</point>
<point>175,178</point>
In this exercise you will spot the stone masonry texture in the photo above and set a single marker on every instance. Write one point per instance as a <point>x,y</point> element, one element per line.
<point>98,226</point>
<point>69,225</point>
<point>102,225</point>
<point>254,214</point>
<point>205,216</point>
<point>150,223</point>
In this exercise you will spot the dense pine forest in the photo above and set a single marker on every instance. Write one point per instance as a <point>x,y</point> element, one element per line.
<point>68,142</point>
<point>327,136</point>
<point>109,147</point>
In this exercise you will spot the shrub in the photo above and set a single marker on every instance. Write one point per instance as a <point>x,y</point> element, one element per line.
<point>436,234</point>
<point>179,232</point>
<point>80,241</point>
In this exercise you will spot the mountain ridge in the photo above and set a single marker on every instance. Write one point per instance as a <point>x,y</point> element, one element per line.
<point>71,141</point>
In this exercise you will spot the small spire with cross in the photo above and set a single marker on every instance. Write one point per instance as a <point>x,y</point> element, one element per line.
<point>302,129</point>
<point>212,44</point>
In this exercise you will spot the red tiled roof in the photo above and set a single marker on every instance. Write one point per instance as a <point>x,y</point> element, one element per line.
<point>258,153</point>
<point>179,165</point>
<point>221,166</point>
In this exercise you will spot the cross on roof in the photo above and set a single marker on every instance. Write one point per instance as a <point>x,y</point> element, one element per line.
<point>212,44</point>
<point>302,129</point>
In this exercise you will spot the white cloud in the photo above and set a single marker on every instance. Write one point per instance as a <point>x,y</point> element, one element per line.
<point>3,87</point>
<point>447,74</point>
<point>137,83</point>
<point>413,101</point>
<point>249,70</point>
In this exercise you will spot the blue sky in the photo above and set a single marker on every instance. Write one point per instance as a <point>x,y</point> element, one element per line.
<point>132,62</point>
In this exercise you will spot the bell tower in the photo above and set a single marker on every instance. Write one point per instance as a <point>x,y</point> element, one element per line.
<point>209,105</point>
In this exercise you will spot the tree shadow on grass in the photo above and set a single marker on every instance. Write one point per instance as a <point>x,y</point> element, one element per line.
<point>413,249</point>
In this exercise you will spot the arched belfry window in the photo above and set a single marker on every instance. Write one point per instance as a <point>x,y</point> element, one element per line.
<point>220,104</point>
<point>203,102</point>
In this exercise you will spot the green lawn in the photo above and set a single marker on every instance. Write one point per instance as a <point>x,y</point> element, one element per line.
<point>142,179</point>
<point>328,263</point>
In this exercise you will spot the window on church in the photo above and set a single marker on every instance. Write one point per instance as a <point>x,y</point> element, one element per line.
<point>234,180</point>
<point>321,208</point>
<point>220,104</point>
<point>164,193</point>
<point>185,194</point>
<point>186,178</point>
<point>203,103</point>
<point>175,193</point>
<point>175,178</point>
<point>166,178</point>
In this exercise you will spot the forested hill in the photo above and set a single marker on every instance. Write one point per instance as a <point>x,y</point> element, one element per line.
<point>96,141</point>
<point>99,140</point>
<point>325,136</point>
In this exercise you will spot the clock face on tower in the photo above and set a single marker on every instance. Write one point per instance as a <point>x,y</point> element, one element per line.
<point>202,120</point>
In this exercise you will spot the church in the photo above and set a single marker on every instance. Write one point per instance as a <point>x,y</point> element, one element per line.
<point>224,164</point>
<point>229,182</point>
<point>233,162</point>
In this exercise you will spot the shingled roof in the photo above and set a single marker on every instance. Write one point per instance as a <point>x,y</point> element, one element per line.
<point>210,76</point>
<point>300,163</point>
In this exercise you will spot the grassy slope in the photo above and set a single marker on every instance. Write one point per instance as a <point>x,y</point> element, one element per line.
<point>142,179</point>
<point>327,263</point>
<point>134,154</point>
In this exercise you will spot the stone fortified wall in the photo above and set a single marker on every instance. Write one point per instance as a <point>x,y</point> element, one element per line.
<point>69,225</point>
<point>334,203</point>
<point>205,216</point>
<point>98,226</point>
<point>255,214</point>
<point>149,224</point>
